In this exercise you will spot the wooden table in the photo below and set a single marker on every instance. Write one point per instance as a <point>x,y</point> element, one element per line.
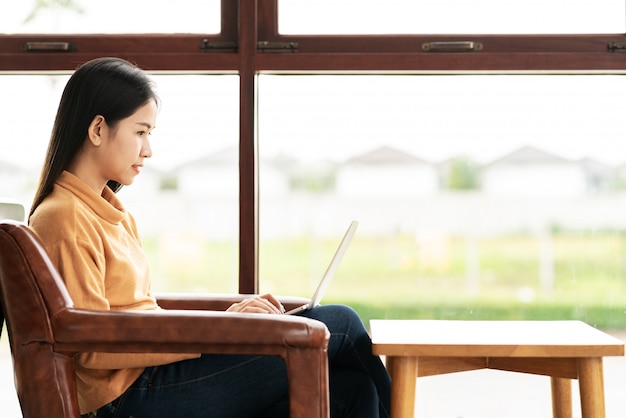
<point>563,350</point>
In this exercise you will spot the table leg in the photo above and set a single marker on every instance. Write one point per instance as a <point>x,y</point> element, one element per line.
<point>561,397</point>
<point>591,382</point>
<point>403,371</point>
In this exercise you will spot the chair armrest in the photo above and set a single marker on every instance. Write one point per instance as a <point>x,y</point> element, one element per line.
<point>215,301</point>
<point>184,331</point>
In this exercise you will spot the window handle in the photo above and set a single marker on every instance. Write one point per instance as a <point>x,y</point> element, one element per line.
<point>452,46</point>
<point>48,47</point>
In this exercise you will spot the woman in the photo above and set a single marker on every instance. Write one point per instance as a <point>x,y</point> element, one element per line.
<point>99,143</point>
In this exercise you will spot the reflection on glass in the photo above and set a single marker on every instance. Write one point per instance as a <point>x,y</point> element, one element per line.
<point>478,195</point>
<point>110,16</point>
<point>186,199</point>
<point>450,16</point>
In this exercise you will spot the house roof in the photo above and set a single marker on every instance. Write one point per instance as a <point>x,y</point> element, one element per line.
<point>385,155</point>
<point>529,155</point>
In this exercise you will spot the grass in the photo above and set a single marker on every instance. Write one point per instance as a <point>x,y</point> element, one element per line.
<point>608,318</point>
<point>399,277</point>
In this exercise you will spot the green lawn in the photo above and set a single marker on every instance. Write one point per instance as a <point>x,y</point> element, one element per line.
<point>397,277</point>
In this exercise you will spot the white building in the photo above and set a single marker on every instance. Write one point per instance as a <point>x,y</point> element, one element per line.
<point>386,172</point>
<point>532,173</point>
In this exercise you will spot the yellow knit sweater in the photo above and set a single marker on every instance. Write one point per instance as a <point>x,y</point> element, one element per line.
<point>94,244</point>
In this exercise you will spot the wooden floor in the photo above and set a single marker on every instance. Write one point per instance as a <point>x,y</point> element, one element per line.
<point>476,394</point>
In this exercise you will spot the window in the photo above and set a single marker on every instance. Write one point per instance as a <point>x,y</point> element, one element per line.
<point>106,16</point>
<point>472,192</point>
<point>449,16</point>
<point>185,201</point>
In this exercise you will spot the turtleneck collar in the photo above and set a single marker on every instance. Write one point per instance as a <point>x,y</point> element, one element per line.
<point>106,205</point>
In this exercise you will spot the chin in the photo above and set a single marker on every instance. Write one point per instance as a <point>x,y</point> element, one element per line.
<point>125,182</point>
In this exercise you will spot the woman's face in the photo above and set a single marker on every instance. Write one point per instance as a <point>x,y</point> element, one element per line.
<point>126,145</point>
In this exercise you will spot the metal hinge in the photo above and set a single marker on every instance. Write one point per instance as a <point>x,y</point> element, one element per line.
<point>207,46</point>
<point>265,46</point>
<point>616,47</point>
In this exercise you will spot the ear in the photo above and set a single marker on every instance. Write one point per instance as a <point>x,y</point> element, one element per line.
<point>96,130</point>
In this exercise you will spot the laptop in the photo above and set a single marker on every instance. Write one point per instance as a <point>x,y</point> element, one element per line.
<point>330,271</point>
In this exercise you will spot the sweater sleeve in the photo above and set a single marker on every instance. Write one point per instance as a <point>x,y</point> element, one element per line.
<point>82,266</point>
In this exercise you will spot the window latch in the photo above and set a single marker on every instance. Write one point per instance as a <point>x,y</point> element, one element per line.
<point>617,47</point>
<point>266,46</point>
<point>207,46</point>
<point>48,47</point>
<point>452,46</point>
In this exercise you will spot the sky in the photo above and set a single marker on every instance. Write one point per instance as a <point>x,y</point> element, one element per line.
<point>433,117</point>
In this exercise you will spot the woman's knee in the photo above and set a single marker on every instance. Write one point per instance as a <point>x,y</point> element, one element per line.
<point>338,318</point>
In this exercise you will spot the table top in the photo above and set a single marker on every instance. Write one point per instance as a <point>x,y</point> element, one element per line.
<point>439,338</point>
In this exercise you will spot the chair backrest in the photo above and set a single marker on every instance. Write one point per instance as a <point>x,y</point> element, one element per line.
<point>10,209</point>
<point>32,292</point>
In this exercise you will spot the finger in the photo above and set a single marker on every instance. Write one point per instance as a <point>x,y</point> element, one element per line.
<point>275,302</point>
<point>263,303</point>
<point>258,304</point>
<point>236,307</point>
<point>255,309</point>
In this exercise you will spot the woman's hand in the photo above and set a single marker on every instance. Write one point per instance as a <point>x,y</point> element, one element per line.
<point>259,304</point>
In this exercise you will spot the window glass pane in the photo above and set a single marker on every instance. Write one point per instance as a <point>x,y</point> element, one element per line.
<point>110,16</point>
<point>186,199</point>
<point>478,196</point>
<point>450,16</point>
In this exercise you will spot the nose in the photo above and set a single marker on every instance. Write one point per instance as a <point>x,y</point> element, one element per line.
<point>146,150</point>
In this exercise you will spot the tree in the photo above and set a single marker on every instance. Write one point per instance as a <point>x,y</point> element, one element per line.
<point>52,4</point>
<point>462,174</point>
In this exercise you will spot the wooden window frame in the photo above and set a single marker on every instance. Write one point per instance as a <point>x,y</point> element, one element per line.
<point>250,44</point>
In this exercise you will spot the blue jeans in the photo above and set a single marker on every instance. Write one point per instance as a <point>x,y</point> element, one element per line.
<point>220,386</point>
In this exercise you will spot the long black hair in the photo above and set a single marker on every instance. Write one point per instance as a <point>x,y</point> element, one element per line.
<point>111,87</point>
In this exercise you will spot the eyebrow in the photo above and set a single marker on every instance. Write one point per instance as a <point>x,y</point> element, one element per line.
<point>146,124</point>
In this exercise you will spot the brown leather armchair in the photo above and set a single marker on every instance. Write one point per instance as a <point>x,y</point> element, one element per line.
<point>45,331</point>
